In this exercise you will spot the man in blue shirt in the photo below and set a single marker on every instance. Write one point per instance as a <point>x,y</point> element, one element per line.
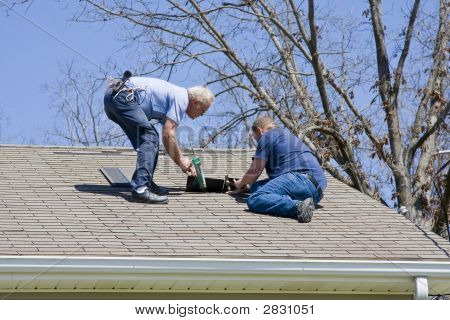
<point>134,106</point>
<point>296,180</point>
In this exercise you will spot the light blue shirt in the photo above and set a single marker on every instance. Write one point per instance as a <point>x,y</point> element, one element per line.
<point>160,99</point>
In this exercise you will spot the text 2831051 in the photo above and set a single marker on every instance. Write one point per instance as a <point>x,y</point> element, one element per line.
<point>288,309</point>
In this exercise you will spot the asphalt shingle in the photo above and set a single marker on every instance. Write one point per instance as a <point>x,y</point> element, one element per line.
<point>55,201</point>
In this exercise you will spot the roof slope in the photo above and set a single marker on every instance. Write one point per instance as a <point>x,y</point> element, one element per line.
<point>54,201</point>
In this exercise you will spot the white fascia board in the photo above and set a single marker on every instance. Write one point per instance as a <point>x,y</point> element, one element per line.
<point>259,274</point>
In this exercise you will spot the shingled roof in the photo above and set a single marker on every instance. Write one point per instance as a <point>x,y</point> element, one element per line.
<point>55,201</point>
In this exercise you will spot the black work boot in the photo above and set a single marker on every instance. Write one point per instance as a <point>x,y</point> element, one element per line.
<point>305,210</point>
<point>160,191</point>
<point>148,197</point>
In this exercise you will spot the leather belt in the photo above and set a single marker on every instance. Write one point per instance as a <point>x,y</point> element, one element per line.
<point>313,181</point>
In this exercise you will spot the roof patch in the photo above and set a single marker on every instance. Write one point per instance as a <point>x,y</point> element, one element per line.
<point>115,177</point>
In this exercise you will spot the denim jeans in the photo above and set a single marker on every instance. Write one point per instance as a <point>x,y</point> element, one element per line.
<point>127,113</point>
<point>281,195</point>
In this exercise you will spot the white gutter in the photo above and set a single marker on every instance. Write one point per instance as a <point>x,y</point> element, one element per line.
<point>107,274</point>
<point>421,290</point>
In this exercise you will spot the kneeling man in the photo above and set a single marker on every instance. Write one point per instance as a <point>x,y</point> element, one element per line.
<point>296,180</point>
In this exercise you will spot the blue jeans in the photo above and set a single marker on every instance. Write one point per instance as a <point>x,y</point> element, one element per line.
<point>280,196</point>
<point>142,134</point>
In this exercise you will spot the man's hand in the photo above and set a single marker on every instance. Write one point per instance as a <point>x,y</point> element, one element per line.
<point>187,167</point>
<point>249,177</point>
<point>238,186</point>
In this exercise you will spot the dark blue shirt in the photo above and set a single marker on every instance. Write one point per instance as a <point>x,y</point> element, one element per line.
<point>284,153</point>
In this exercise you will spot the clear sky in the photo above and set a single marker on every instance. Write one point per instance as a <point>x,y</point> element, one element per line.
<point>36,41</point>
<point>31,57</point>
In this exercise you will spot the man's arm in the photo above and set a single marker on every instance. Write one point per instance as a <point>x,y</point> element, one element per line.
<point>252,174</point>
<point>169,133</point>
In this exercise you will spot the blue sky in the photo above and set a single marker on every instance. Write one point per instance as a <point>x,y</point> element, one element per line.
<point>36,41</point>
<point>31,58</point>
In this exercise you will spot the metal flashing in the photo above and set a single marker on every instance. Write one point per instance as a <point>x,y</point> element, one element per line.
<point>115,177</point>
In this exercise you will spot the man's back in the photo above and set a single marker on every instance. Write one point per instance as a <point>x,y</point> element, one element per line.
<point>284,153</point>
<point>161,99</point>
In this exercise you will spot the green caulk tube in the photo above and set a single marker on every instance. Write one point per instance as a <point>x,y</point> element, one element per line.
<point>200,177</point>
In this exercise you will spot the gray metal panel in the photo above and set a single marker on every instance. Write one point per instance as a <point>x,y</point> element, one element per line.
<point>115,177</point>
<point>128,172</point>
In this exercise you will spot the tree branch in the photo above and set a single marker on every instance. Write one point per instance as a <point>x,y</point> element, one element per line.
<point>232,123</point>
<point>440,119</point>
<point>399,71</point>
<point>317,65</point>
<point>439,58</point>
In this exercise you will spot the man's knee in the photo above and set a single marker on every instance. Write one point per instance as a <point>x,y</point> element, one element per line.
<point>253,200</point>
<point>257,185</point>
<point>254,187</point>
<point>149,134</point>
<point>145,126</point>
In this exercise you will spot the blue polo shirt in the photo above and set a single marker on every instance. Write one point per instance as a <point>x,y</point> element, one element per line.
<point>160,99</point>
<point>284,153</point>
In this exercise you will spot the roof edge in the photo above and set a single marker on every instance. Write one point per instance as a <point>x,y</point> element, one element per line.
<point>218,265</point>
<point>37,146</point>
<point>43,146</point>
<point>31,273</point>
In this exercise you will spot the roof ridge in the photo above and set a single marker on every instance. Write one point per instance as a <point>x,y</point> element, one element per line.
<point>38,146</point>
<point>32,146</point>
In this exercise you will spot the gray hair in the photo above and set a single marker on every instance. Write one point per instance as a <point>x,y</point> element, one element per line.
<point>202,94</point>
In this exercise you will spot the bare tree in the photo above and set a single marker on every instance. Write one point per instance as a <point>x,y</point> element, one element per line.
<point>441,196</point>
<point>78,102</point>
<point>430,112</point>
<point>235,122</point>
